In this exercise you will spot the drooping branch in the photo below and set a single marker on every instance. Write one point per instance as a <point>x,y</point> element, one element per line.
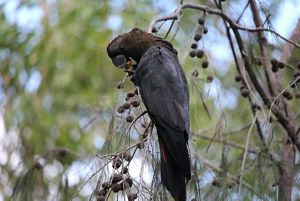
<point>178,12</point>
<point>252,101</point>
<point>285,122</point>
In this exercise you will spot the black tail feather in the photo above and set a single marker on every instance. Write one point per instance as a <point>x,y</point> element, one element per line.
<point>175,164</point>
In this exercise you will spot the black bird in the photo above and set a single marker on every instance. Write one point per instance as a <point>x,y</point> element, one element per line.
<point>164,91</point>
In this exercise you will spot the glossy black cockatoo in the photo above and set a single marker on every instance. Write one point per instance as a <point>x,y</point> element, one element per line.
<point>164,91</point>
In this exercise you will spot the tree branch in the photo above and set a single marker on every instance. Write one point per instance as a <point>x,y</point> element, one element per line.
<point>176,16</point>
<point>285,122</point>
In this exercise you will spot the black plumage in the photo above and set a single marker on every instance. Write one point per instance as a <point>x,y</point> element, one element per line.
<point>164,91</point>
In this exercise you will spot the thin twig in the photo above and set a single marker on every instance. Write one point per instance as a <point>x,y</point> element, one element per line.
<point>90,177</point>
<point>245,153</point>
<point>232,144</point>
<point>169,30</point>
<point>242,13</point>
<point>144,159</point>
<point>89,122</point>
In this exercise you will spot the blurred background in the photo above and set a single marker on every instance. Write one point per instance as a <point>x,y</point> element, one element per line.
<point>58,90</point>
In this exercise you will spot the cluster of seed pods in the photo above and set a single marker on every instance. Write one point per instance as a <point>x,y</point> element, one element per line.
<point>197,52</point>
<point>276,67</point>
<point>131,100</point>
<point>119,181</point>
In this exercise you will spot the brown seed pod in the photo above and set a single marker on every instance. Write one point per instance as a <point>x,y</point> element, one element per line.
<point>216,183</point>
<point>124,170</point>
<point>197,36</point>
<point>264,40</point>
<point>296,75</point>
<point>200,53</point>
<point>106,185</point>
<point>286,94</point>
<point>129,181</point>
<point>129,118</point>
<point>130,94</point>
<point>210,78</point>
<point>62,152</point>
<point>121,109</point>
<point>255,107</point>
<point>141,145</point>
<point>293,85</point>
<point>101,198</point>
<point>136,91</point>
<point>194,45</point>
<point>117,162</point>
<point>205,64</point>
<point>201,21</point>
<point>120,85</point>
<point>274,61</point>
<point>275,68</point>
<point>243,86</point>
<point>290,97</point>
<point>132,196</point>
<point>38,165</point>
<point>102,192</point>
<point>195,73</point>
<point>126,156</point>
<point>116,187</point>
<point>124,185</point>
<point>126,105</point>
<point>205,30</point>
<point>245,92</point>
<point>135,103</point>
<point>192,53</point>
<point>281,64</point>
<point>238,78</point>
<point>116,178</point>
<point>154,30</point>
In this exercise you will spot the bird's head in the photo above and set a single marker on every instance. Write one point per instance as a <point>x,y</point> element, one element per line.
<point>130,45</point>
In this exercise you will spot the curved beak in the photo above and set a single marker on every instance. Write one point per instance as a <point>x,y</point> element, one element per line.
<point>119,61</point>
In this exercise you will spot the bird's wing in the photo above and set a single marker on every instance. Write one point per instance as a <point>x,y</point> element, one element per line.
<point>164,88</point>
